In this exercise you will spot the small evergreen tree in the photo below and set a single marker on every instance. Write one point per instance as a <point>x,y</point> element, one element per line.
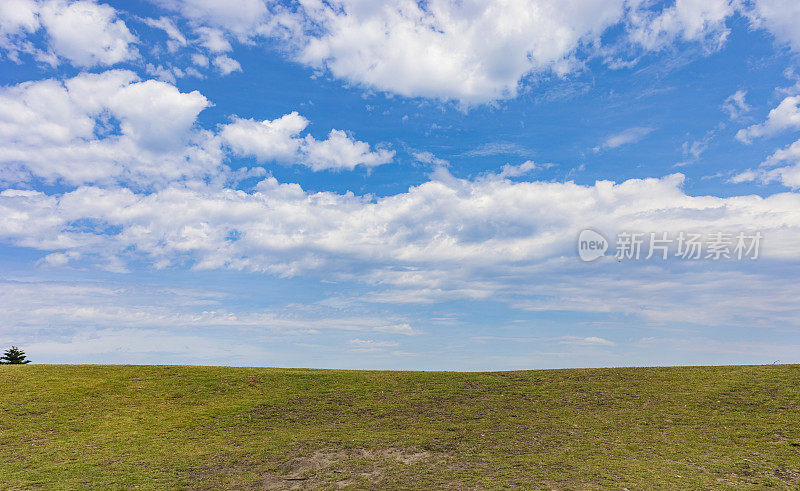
<point>13,356</point>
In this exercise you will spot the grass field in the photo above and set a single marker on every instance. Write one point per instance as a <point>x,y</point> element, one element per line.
<point>210,427</point>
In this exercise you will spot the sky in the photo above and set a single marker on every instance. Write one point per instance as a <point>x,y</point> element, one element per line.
<point>400,185</point>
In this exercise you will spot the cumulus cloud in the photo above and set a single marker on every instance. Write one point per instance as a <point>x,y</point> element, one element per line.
<point>18,18</point>
<point>471,51</point>
<point>790,153</point>
<point>280,140</point>
<point>443,239</point>
<point>490,237</point>
<point>113,127</point>
<point>780,17</point>
<point>87,33</point>
<point>784,117</point>
<point>103,127</point>
<point>137,104</point>
<point>84,33</point>
<point>775,168</point>
<point>340,151</point>
<point>436,221</point>
<point>476,52</point>
<point>266,140</point>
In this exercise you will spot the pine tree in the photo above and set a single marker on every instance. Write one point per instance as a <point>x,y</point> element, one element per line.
<point>13,356</point>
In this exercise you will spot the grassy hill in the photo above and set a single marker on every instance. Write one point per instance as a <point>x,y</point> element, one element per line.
<point>157,426</point>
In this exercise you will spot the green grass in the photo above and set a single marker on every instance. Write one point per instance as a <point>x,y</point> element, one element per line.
<point>210,427</point>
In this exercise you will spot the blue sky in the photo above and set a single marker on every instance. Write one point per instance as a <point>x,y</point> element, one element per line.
<point>396,185</point>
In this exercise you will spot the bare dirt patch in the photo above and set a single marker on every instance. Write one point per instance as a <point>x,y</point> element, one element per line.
<point>323,468</point>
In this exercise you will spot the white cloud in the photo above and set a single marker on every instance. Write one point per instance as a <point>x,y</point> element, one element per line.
<point>788,176</point>
<point>772,171</point>
<point>442,239</point>
<point>18,18</point>
<point>168,74</point>
<point>280,140</point>
<point>243,18</point>
<point>686,20</point>
<point>403,328</point>
<point>137,105</point>
<point>169,27</point>
<point>429,158</point>
<point>472,51</point>
<point>213,40</point>
<point>520,170</point>
<point>340,151</point>
<point>103,127</point>
<point>780,17</point>
<point>83,32</point>
<point>478,51</point>
<point>433,222</point>
<point>735,105</point>
<point>692,151</point>
<point>265,140</point>
<point>498,148</point>
<point>226,65</point>
<point>631,135</point>
<point>784,117</point>
<point>87,33</point>
<point>787,154</point>
<point>112,127</point>
<point>369,345</point>
<point>200,60</point>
